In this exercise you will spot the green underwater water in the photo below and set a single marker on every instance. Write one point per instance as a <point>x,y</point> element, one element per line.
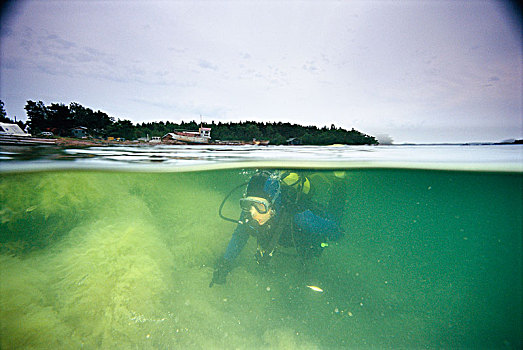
<point>120,260</point>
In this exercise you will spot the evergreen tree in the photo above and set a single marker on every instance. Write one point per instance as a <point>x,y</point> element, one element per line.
<point>37,116</point>
<point>59,117</point>
<point>3,114</point>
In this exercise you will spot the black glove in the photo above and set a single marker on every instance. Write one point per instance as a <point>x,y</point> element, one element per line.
<point>221,270</point>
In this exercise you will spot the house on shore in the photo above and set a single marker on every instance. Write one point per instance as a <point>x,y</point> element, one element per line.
<point>80,132</point>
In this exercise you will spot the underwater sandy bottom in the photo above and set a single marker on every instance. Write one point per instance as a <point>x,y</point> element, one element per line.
<point>124,260</point>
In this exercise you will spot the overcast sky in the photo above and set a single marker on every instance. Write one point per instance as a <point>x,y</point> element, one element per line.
<point>419,71</point>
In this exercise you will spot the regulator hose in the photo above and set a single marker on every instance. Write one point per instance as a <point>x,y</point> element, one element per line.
<point>225,200</point>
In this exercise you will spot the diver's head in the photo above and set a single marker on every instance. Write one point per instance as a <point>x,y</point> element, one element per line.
<point>258,208</point>
<point>261,197</point>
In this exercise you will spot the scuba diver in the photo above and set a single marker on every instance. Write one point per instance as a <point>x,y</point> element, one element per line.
<point>278,210</point>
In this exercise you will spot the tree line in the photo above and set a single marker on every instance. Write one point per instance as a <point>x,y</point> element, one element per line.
<point>60,119</point>
<point>279,133</point>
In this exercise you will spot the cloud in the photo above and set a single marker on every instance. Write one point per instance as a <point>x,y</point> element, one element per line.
<point>207,65</point>
<point>10,62</point>
<point>54,42</point>
<point>6,31</point>
<point>52,54</point>
<point>310,66</point>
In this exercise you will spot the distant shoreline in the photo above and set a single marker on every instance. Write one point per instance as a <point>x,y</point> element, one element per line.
<point>515,142</point>
<point>61,141</point>
<point>72,142</point>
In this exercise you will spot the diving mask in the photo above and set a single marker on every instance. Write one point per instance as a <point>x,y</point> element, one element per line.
<point>261,205</point>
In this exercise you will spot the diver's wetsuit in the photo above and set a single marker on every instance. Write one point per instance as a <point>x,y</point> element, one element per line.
<point>298,225</point>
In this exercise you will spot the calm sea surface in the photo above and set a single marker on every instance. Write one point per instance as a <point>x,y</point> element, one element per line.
<point>114,248</point>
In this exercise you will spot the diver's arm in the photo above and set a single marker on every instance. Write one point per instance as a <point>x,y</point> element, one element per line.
<point>314,224</point>
<point>238,240</point>
<point>224,264</point>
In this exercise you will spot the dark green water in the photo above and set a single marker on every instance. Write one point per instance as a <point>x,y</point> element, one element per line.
<point>432,259</point>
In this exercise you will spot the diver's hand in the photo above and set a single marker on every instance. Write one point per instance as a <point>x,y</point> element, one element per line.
<point>218,277</point>
<point>221,270</point>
